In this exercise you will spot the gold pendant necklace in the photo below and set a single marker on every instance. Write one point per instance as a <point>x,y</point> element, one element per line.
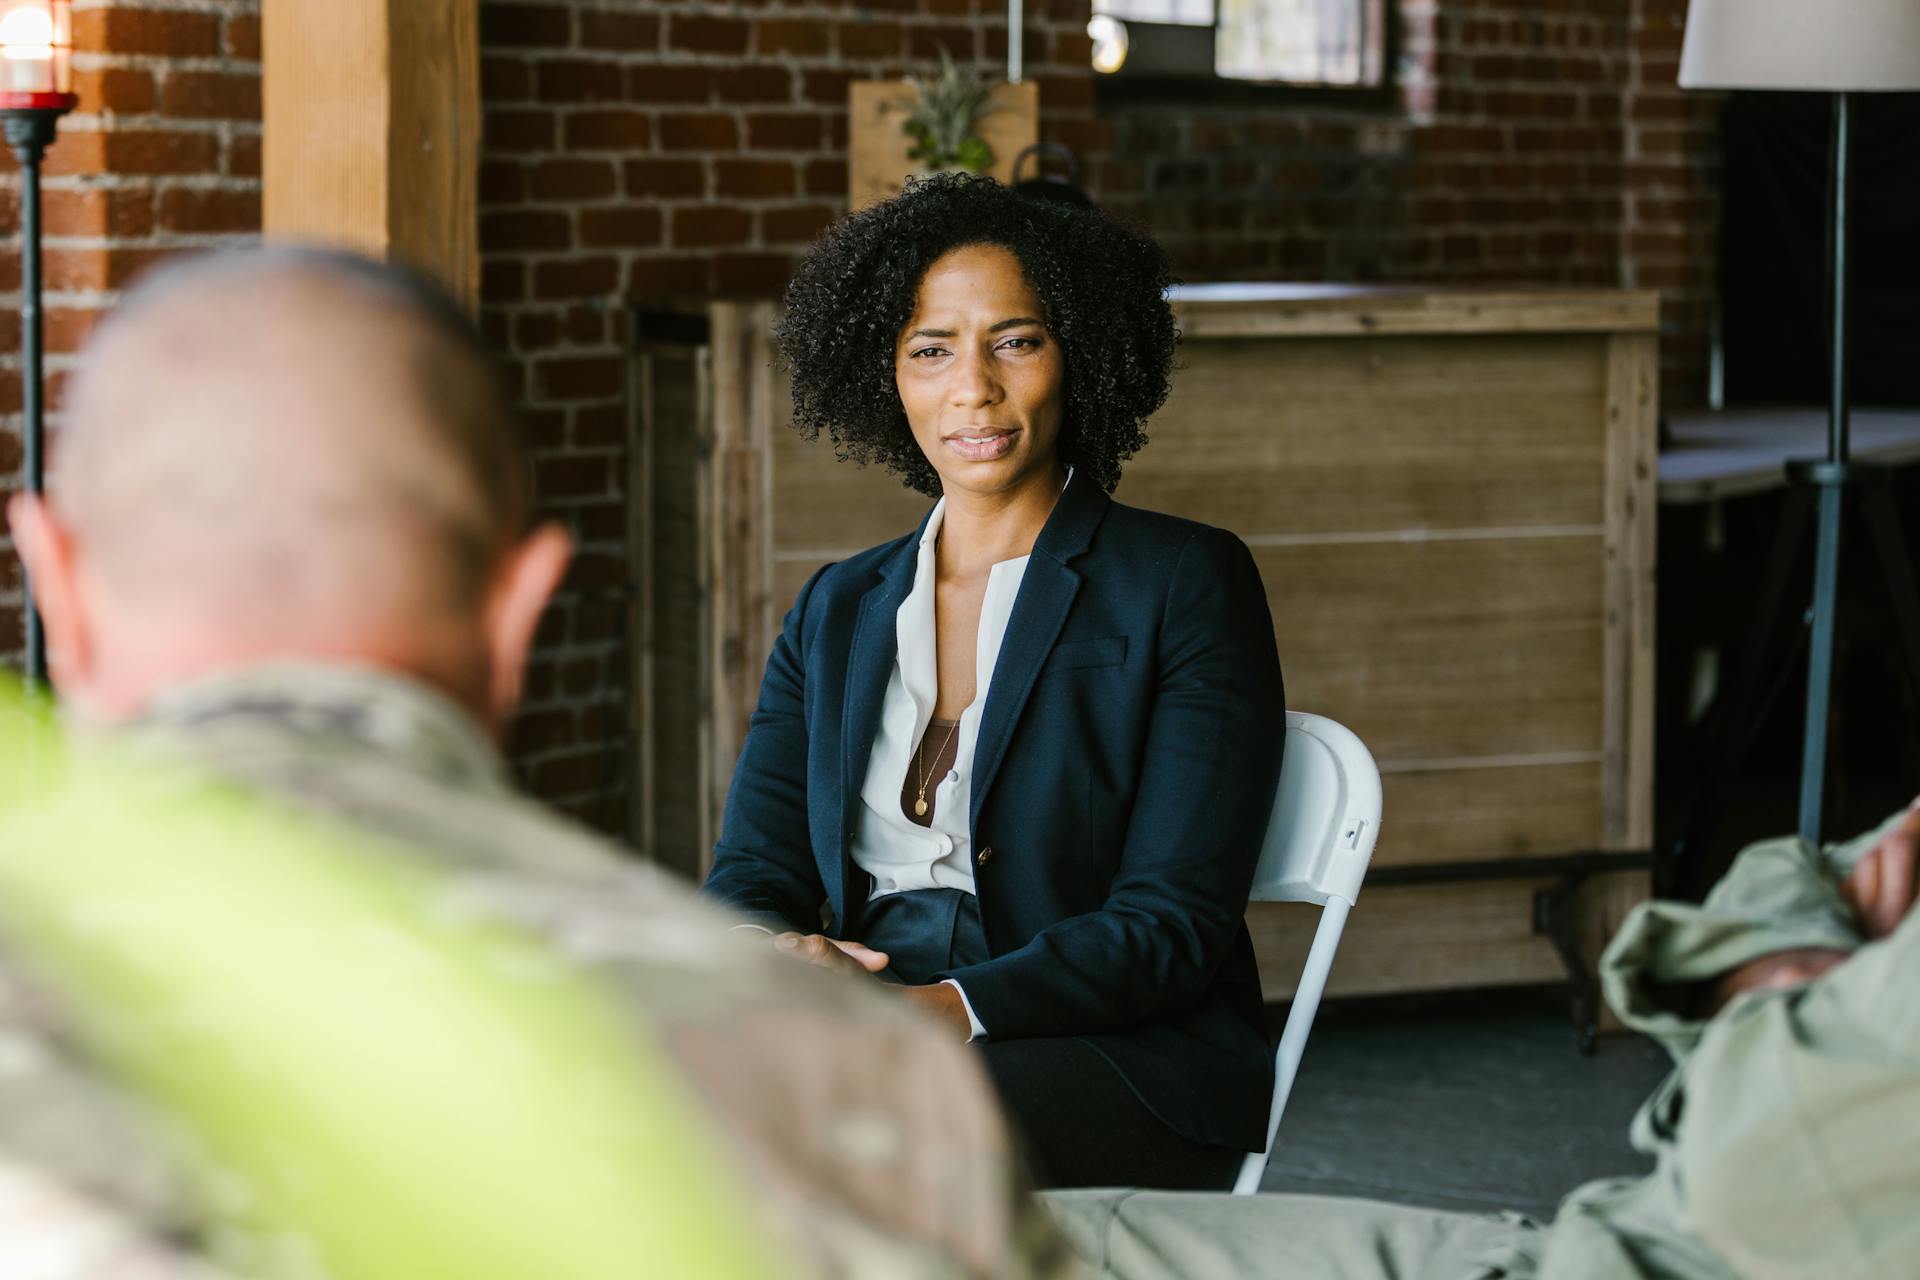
<point>920,804</point>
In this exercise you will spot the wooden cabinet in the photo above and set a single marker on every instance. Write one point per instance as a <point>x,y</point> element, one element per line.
<point>1450,497</point>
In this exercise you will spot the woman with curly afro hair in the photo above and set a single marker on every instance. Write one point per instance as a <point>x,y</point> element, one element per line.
<point>1020,759</point>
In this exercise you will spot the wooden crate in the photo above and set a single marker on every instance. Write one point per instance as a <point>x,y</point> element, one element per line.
<point>1450,498</point>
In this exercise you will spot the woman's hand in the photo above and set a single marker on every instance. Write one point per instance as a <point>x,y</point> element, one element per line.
<point>830,953</point>
<point>942,1000</point>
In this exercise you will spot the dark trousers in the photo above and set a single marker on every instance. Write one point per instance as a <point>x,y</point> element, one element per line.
<point>1082,1124</point>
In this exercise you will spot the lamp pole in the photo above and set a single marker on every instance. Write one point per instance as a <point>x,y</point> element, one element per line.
<point>28,132</point>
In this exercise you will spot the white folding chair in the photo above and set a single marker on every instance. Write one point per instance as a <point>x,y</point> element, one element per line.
<point>1326,816</point>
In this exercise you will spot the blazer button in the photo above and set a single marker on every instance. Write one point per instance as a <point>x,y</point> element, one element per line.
<point>980,858</point>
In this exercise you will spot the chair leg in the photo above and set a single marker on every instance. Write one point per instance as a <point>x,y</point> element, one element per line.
<point>1293,1038</point>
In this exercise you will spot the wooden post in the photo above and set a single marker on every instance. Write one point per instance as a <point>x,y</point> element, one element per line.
<point>372,120</point>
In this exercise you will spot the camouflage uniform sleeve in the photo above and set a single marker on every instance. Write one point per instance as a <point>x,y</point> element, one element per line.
<point>1780,895</point>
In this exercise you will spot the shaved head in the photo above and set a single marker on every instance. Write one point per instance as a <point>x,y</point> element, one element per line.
<point>289,430</point>
<point>293,453</point>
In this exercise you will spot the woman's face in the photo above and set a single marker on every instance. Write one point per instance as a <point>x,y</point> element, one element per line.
<point>981,379</point>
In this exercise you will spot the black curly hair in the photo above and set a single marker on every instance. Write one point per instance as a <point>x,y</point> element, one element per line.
<point>1103,286</point>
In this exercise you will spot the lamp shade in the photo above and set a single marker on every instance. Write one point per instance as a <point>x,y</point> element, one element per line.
<point>36,54</point>
<point>1827,45</point>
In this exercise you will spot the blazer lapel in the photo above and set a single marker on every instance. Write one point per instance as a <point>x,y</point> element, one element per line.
<point>870,660</point>
<point>1046,594</point>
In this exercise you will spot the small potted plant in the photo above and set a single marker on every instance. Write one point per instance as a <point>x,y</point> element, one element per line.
<point>953,119</point>
<point>943,119</point>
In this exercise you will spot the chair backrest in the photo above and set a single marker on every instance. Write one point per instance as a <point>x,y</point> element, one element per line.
<point>1326,816</point>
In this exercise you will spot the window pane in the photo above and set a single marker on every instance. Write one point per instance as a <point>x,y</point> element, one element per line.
<point>1191,13</point>
<point>1333,42</point>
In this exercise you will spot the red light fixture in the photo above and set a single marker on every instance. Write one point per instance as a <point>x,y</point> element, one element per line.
<point>36,55</point>
<point>36,89</point>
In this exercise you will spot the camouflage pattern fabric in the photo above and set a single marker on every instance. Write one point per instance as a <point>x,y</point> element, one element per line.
<point>872,1143</point>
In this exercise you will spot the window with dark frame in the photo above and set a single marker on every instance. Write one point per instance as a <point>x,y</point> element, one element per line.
<point>1310,44</point>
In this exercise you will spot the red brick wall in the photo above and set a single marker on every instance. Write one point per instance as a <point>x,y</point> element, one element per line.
<point>637,147</point>
<point>163,155</point>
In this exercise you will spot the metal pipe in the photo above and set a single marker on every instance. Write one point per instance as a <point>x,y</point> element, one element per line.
<point>1016,26</point>
<point>1837,425</point>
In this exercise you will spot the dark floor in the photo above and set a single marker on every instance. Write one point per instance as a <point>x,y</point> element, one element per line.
<point>1467,1102</point>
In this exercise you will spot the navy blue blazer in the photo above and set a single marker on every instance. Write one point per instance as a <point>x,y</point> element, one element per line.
<point>1123,777</point>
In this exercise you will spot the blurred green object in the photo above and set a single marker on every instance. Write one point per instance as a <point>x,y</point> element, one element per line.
<point>388,1088</point>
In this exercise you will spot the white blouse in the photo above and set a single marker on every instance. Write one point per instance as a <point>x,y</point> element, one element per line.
<point>897,852</point>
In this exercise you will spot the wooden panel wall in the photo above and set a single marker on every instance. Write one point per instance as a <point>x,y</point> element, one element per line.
<point>371,112</point>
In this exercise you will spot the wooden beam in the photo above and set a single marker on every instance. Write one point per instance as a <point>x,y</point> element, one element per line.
<point>372,120</point>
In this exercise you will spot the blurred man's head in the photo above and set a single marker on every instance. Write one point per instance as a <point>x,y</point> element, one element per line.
<point>286,455</point>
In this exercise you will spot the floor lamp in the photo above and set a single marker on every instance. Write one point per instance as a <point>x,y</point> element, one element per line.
<point>1841,47</point>
<point>36,89</point>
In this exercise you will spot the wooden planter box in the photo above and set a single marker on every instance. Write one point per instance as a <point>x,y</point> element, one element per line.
<point>1450,497</point>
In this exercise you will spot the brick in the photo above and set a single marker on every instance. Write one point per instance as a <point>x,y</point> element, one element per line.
<point>536,331</point>
<point>604,427</point>
<point>758,273</point>
<point>502,281</point>
<point>794,224</point>
<point>753,178</point>
<point>620,32</point>
<point>574,179</point>
<point>532,731</point>
<point>169,33</point>
<point>826,178</point>
<point>754,84</point>
<point>958,42</point>
<point>243,156</point>
<point>67,328</point>
<point>710,226</point>
<point>694,33</point>
<point>505,79</point>
<point>158,151</point>
<point>502,182</point>
<point>665,178</point>
<point>576,278</point>
<point>524,26</point>
<point>678,275</point>
<point>573,477</point>
<point>522,230</point>
<point>669,84</point>
<point>579,378</point>
<point>562,775</point>
<point>609,131</point>
<point>585,326</point>
<point>796,37</point>
<point>627,227</point>
<point>787,131</point>
<point>199,211</point>
<point>115,90</point>
<point>869,40</point>
<point>242,37</point>
<point>579,80</point>
<point>829,88</point>
<point>518,131</point>
<point>703,131</point>
<point>97,211</point>
<point>210,95</point>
